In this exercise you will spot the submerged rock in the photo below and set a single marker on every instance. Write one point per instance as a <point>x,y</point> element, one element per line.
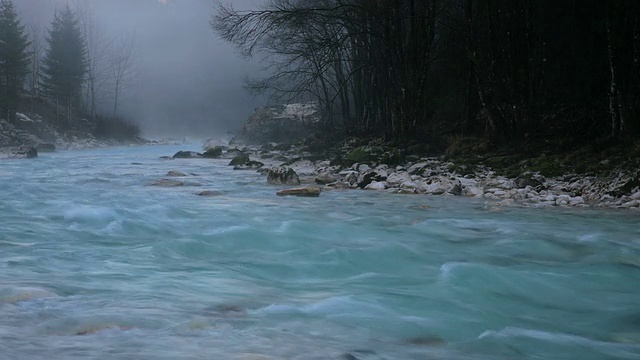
<point>226,310</point>
<point>167,183</point>
<point>17,294</point>
<point>426,341</point>
<point>283,176</point>
<point>353,355</point>
<point>209,193</point>
<point>176,173</point>
<point>91,330</point>
<point>310,191</point>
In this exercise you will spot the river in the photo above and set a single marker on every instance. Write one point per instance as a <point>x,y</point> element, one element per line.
<point>96,264</point>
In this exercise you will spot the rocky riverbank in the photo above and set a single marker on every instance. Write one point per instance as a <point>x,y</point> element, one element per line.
<point>30,136</point>
<point>379,168</point>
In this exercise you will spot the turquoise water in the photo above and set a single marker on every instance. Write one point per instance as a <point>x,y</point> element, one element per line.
<point>96,264</point>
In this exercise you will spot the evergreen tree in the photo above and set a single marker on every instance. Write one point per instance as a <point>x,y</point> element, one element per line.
<point>65,63</point>
<point>14,58</point>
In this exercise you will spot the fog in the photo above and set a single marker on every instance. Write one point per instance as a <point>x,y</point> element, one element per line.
<point>187,81</point>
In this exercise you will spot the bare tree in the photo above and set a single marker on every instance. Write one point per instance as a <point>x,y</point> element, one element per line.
<point>123,70</point>
<point>97,49</point>
<point>362,59</point>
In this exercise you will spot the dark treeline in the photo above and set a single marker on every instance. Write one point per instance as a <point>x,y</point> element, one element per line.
<point>504,70</point>
<point>69,66</point>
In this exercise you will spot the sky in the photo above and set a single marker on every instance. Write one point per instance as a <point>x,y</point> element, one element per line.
<point>188,81</point>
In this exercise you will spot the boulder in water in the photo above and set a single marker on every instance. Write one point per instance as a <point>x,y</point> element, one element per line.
<point>239,160</point>
<point>249,165</point>
<point>283,176</point>
<point>25,152</point>
<point>213,153</point>
<point>426,341</point>
<point>187,155</point>
<point>45,147</point>
<point>309,191</point>
<point>176,173</point>
<point>226,310</point>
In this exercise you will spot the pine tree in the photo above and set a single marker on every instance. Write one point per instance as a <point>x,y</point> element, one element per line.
<point>14,58</point>
<point>65,63</point>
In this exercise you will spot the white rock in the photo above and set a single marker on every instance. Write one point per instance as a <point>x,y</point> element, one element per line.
<point>577,200</point>
<point>563,200</point>
<point>490,196</point>
<point>351,178</point>
<point>408,185</point>
<point>473,191</point>
<point>467,182</point>
<point>376,185</point>
<point>436,185</point>
<point>636,196</point>
<point>631,204</point>
<point>606,197</point>
<point>304,168</point>
<point>23,117</point>
<point>417,167</point>
<point>398,178</point>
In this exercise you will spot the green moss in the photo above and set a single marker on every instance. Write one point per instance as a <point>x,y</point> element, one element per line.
<point>364,154</point>
<point>391,157</point>
<point>213,153</point>
<point>239,160</point>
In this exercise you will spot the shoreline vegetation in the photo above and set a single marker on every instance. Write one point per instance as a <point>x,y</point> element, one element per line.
<point>27,136</point>
<point>607,180</point>
<point>516,101</point>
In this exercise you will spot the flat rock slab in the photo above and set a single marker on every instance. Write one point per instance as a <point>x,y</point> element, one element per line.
<point>311,191</point>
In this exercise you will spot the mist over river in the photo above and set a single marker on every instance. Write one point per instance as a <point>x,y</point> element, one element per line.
<point>96,264</point>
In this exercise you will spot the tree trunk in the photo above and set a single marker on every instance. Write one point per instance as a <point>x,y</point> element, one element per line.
<point>115,102</point>
<point>614,108</point>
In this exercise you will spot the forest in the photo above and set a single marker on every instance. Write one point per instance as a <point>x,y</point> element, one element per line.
<point>428,71</point>
<point>67,68</point>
